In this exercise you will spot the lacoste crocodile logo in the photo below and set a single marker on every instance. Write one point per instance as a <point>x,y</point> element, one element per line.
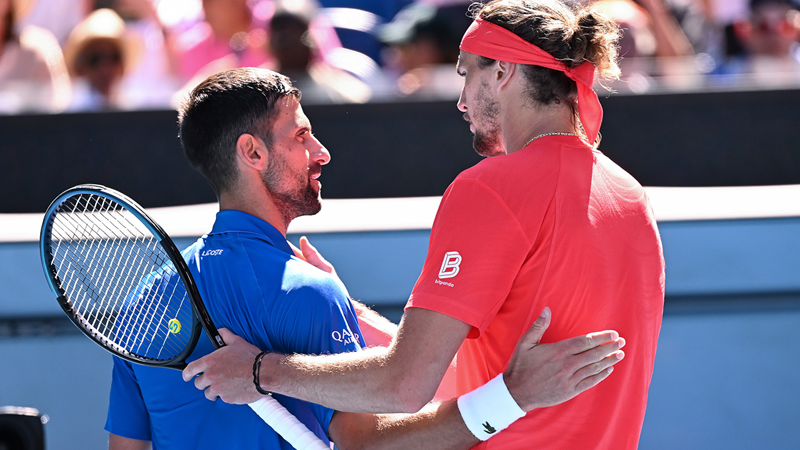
<point>488,429</point>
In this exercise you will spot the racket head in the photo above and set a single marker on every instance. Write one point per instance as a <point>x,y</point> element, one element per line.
<point>120,278</point>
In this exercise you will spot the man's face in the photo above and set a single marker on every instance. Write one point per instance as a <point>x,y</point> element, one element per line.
<point>295,162</point>
<point>772,29</point>
<point>100,62</point>
<point>481,108</point>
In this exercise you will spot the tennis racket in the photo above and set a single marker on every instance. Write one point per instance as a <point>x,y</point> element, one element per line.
<point>122,281</point>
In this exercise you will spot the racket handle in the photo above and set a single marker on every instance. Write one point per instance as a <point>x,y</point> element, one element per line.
<point>287,425</point>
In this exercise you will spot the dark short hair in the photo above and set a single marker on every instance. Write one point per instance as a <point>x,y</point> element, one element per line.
<point>222,108</point>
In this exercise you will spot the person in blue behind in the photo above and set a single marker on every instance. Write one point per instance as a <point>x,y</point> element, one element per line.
<point>245,131</point>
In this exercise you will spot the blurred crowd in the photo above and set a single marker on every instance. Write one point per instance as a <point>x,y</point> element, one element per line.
<point>92,55</point>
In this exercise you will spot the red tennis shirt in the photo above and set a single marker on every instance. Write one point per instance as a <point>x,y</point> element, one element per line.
<point>555,224</point>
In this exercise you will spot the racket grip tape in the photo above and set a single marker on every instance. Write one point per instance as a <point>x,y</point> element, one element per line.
<point>287,425</point>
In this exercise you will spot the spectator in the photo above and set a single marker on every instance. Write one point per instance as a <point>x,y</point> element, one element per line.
<point>99,53</point>
<point>655,48</point>
<point>230,27</point>
<point>768,36</point>
<point>771,29</point>
<point>297,56</point>
<point>422,48</point>
<point>649,27</point>
<point>154,79</point>
<point>33,77</point>
<point>293,47</point>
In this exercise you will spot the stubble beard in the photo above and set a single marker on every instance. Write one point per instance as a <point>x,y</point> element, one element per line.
<point>487,143</point>
<point>300,198</point>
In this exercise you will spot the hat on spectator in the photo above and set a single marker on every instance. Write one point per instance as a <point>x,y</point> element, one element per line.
<point>102,24</point>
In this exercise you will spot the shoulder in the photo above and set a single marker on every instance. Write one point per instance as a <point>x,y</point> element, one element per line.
<point>282,274</point>
<point>510,178</point>
<point>540,163</point>
<point>303,279</point>
<point>316,315</point>
<point>192,250</point>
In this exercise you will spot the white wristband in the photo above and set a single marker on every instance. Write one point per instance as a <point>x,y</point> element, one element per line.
<point>489,409</point>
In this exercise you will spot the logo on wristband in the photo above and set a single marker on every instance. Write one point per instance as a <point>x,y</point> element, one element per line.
<point>488,429</point>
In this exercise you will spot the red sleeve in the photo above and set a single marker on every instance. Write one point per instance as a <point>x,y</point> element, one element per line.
<point>476,248</point>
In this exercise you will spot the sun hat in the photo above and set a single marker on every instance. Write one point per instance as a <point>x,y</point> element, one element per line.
<point>102,24</point>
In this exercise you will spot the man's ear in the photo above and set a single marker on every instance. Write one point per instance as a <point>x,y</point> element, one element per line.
<point>504,71</point>
<point>252,152</point>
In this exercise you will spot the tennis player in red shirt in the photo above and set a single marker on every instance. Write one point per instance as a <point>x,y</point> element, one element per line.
<point>545,221</point>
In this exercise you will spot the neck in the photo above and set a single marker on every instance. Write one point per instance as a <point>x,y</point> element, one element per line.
<point>528,123</point>
<point>521,121</point>
<point>257,203</point>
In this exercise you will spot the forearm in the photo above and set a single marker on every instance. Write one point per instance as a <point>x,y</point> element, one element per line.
<point>402,378</point>
<point>447,387</point>
<point>369,381</point>
<point>437,427</point>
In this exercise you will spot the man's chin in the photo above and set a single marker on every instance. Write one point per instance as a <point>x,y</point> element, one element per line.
<point>313,206</point>
<point>487,144</point>
<point>487,151</point>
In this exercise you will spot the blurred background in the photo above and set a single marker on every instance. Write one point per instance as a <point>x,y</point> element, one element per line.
<point>705,116</point>
<point>102,55</point>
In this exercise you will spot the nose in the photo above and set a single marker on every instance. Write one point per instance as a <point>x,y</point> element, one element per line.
<point>462,101</point>
<point>319,153</point>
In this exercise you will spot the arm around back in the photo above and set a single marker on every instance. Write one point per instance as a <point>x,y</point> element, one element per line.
<point>402,378</point>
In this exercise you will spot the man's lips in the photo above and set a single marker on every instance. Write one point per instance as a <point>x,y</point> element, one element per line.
<point>314,171</point>
<point>313,177</point>
<point>471,126</point>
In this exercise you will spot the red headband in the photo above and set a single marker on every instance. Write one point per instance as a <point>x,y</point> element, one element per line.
<point>493,41</point>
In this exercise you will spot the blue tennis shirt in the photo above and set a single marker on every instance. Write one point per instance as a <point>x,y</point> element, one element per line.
<point>252,284</point>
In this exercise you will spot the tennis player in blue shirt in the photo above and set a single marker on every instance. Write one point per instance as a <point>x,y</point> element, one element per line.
<point>245,131</point>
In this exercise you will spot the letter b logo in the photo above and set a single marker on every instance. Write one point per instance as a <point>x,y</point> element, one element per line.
<point>450,265</point>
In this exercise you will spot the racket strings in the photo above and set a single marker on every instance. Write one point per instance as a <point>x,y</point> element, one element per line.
<point>118,279</point>
<point>93,257</point>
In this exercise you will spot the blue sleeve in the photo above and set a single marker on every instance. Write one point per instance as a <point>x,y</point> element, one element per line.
<point>317,319</point>
<point>127,414</point>
<point>321,321</point>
